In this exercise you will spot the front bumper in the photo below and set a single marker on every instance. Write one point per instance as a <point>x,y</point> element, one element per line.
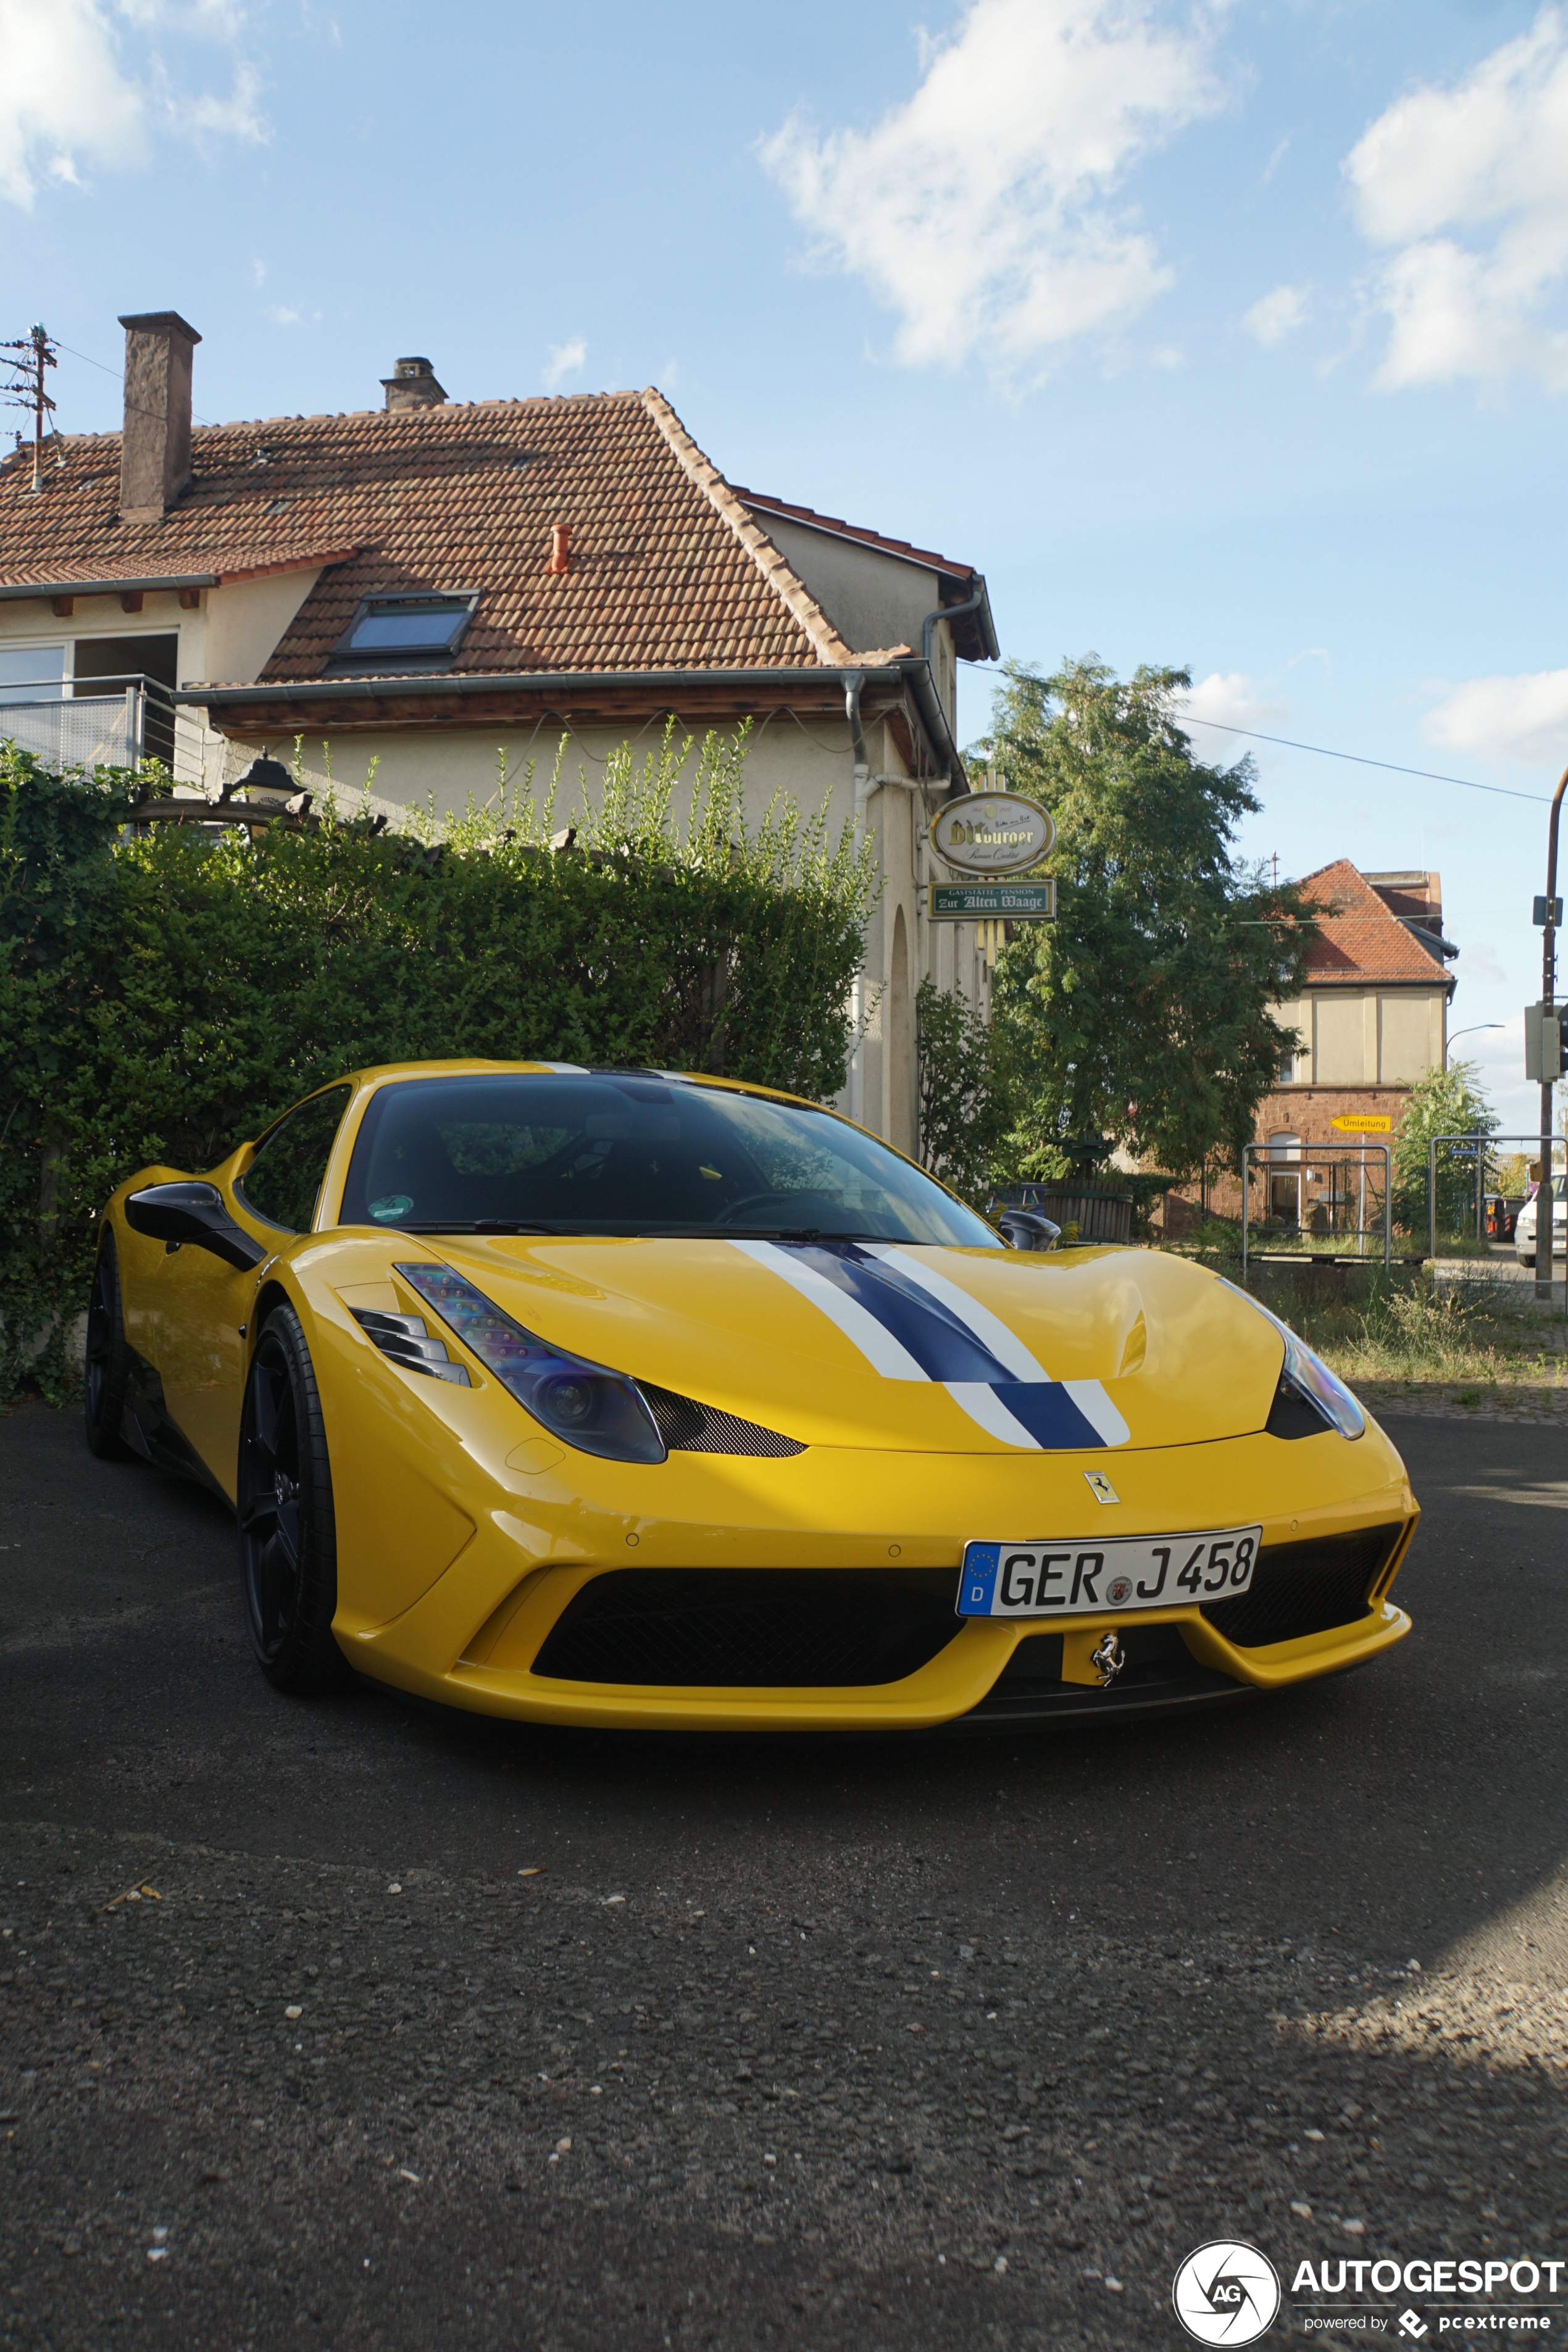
<point>478,1636</point>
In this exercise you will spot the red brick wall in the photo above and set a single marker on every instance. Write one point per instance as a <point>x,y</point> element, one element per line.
<point>1308,1112</point>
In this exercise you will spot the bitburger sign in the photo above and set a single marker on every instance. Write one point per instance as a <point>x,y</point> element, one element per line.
<point>988,833</point>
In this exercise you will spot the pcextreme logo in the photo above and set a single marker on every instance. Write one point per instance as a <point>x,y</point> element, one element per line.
<point>1227,2293</point>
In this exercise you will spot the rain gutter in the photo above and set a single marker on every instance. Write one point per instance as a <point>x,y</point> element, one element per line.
<point>554,682</point>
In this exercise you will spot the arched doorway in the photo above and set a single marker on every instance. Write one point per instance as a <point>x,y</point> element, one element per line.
<point>900,1045</point>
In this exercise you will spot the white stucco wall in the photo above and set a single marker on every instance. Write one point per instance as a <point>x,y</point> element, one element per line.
<point>875,600</point>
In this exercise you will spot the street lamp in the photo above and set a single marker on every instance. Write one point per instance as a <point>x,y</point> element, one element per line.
<point>1473,1030</point>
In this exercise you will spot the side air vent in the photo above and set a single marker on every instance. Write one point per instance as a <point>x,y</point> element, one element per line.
<point>688,1427</point>
<point>404,1339</point>
<point>1306,1588</point>
<point>750,1628</point>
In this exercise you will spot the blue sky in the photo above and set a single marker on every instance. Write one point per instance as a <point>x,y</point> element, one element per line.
<point>1229,335</point>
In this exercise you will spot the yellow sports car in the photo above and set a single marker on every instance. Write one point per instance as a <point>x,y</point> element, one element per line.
<point>627,1397</point>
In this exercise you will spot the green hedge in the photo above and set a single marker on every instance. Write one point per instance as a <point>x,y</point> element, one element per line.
<point>164,995</point>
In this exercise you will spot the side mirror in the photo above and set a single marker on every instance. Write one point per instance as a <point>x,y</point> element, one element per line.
<point>192,1213</point>
<point>1026,1229</point>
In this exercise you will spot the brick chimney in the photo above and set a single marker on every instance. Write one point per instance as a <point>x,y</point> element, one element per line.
<point>412,384</point>
<point>155,451</point>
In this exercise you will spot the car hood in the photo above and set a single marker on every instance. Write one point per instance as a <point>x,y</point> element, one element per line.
<point>931,1350</point>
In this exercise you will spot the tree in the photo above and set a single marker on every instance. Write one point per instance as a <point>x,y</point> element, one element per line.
<point>1141,1015</point>
<point>1444,1102</point>
<point>965,1090</point>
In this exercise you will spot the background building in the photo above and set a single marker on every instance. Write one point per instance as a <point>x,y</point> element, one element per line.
<point>441,592</point>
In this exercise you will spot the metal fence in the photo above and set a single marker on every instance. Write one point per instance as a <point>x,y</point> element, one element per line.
<point>1319,1152</point>
<point>1470,1145</point>
<point>1100,1214</point>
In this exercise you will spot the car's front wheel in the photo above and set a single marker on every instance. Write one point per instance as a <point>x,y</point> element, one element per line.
<point>288,1536</point>
<point>1527,1257</point>
<point>107,1371</point>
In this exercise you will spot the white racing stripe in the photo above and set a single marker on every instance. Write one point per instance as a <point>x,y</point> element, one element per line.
<point>881,1350</point>
<point>983,1404</point>
<point>1099,1411</point>
<point>989,1329</point>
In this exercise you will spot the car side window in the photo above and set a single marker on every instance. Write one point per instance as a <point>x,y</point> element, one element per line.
<point>283,1182</point>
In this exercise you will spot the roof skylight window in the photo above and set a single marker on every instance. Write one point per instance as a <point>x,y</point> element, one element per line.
<point>425,629</point>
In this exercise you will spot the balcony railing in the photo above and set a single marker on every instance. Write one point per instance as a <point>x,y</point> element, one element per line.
<point>123,720</point>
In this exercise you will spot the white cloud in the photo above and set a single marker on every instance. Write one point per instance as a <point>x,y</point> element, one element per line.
<point>566,358</point>
<point>1465,189</point>
<point>1228,698</point>
<point>983,211</point>
<point>71,97</point>
<point>282,316</point>
<point>1524,718</point>
<point>1277,314</point>
<point>1482,964</point>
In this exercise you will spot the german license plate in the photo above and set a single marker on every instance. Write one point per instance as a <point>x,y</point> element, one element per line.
<point>1078,1579</point>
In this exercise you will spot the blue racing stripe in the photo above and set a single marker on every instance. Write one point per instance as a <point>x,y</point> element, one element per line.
<point>1049,1415</point>
<point>931,1332</point>
<point>907,1330</point>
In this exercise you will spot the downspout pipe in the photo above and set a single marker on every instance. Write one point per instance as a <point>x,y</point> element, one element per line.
<point>853,685</point>
<point>922,679</point>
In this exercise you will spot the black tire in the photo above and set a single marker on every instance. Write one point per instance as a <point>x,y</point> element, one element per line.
<point>1527,1261</point>
<point>107,1371</point>
<point>288,1535</point>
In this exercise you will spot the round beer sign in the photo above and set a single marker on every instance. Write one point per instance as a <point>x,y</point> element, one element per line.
<point>991,833</point>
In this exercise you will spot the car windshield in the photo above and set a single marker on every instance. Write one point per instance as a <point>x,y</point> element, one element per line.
<point>624,1153</point>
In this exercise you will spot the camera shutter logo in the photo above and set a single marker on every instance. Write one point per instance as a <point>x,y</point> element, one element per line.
<point>1227,2293</point>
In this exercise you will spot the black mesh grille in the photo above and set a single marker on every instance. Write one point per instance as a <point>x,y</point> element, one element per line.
<point>739,1628</point>
<point>1304,1587</point>
<point>688,1427</point>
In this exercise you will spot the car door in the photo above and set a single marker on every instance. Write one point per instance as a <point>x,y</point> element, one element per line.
<point>205,1302</point>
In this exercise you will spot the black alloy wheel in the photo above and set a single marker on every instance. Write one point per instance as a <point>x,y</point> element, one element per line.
<point>107,1371</point>
<point>288,1536</point>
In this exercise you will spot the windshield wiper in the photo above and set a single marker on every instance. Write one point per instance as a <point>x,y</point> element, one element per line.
<point>479,1226</point>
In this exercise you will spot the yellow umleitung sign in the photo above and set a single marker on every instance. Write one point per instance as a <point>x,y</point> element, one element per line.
<point>1363,1122</point>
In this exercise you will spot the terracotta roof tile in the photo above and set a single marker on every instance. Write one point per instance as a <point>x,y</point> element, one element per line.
<point>668,568</point>
<point>925,556</point>
<point>1361,939</point>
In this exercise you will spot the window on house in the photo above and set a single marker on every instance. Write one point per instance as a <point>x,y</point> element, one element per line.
<point>406,629</point>
<point>32,673</point>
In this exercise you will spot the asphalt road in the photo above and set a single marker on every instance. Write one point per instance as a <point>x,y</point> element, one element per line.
<point>792,2043</point>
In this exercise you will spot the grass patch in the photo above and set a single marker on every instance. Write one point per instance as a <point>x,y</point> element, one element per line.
<point>1474,1342</point>
<point>1466,1339</point>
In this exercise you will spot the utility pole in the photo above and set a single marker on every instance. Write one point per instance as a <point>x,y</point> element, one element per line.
<point>1551,1064</point>
<point>26,390</point>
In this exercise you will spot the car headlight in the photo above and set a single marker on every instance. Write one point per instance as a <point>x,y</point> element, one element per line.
<point>1309,1397</point>
<point>598,1410</point>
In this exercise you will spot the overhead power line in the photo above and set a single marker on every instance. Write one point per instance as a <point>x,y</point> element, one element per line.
<point>1360,759</point>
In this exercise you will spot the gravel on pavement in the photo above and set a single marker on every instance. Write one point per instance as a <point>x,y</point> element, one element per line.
<point>365,2023</point>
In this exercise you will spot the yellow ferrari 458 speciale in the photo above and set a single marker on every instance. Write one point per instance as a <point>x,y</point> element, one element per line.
<point>629,1397</point>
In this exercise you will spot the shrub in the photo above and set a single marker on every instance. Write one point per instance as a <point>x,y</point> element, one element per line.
<point>164,995</point>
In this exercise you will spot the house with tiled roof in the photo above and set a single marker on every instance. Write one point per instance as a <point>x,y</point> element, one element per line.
<point>420,584</point>
<point>1371,1021</point>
